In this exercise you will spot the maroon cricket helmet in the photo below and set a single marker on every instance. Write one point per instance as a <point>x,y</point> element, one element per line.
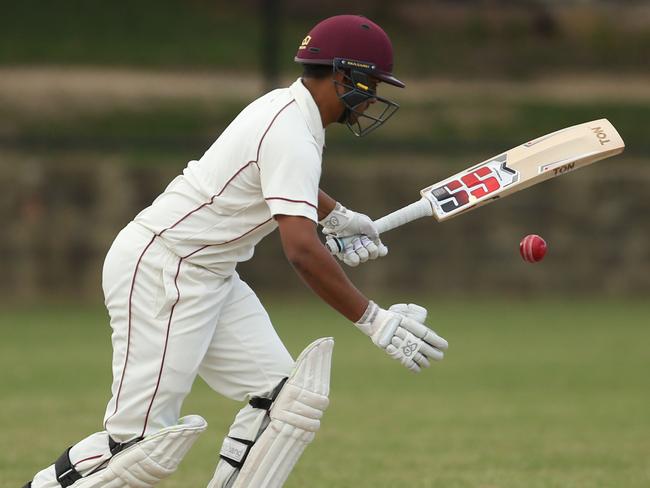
<point>350,37</point>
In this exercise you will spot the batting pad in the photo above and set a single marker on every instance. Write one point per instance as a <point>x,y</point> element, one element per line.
<point>149,461</point>
<point>295,418</point>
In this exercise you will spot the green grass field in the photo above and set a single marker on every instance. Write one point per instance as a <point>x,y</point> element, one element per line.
<point>531,394</point>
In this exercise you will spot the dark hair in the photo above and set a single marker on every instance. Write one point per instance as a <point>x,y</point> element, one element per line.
<point>317,71</point>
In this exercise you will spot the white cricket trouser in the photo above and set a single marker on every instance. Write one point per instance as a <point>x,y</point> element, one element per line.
<point>172,320</point>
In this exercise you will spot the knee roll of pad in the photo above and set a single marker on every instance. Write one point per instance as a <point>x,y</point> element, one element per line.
<point>300,407</point>
<point>149,461</point>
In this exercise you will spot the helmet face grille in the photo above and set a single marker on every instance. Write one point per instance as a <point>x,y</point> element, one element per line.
<point>364,109</point>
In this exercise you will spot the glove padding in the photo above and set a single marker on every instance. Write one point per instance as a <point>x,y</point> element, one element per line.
<point>401,332</point>
<point>360,250</point>
<point>342,222</point>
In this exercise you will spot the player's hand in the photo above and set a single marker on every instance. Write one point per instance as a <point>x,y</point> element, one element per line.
<point>366,245</point>
<point>359,250</point>
<point>400,331</point>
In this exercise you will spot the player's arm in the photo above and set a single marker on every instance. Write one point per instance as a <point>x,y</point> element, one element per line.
<point>362,243</point>
<point>317,268</point>
<point>399,331</point>
<point>325,204</point>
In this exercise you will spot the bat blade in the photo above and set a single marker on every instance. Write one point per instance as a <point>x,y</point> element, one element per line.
<point>528,164</point>
<point>533,162</point>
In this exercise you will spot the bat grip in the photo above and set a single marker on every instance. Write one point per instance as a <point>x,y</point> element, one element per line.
<point>404,215</point>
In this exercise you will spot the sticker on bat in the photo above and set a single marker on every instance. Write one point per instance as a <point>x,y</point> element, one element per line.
<point>463,191</point>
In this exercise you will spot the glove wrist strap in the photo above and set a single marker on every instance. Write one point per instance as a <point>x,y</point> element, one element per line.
<point>369,315</point>
<point>336,218</point>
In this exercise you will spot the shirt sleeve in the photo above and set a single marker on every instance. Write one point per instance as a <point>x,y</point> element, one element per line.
<point>290,174</point>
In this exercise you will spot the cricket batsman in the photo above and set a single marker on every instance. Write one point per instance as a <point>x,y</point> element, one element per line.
<point>179,309</point>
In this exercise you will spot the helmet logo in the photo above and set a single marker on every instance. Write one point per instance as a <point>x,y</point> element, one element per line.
<point>305,42</point>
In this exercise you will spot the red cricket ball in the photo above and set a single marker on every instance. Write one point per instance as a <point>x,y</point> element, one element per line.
<point>532,248</point>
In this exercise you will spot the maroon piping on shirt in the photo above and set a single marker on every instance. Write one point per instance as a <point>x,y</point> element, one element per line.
<point>292,201</point>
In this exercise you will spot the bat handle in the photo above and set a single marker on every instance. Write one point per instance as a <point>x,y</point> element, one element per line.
<point>404,215</point>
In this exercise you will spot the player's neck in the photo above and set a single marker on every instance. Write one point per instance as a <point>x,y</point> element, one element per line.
<point>324,95</point>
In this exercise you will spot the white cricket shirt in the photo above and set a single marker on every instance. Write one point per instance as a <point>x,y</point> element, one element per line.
<point>267,162</point>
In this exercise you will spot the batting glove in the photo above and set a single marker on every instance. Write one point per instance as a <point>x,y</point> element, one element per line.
<point>400,331</point>
<point>366,245</point>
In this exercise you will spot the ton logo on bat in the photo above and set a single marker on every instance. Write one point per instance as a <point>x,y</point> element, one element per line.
<point>600,134</point>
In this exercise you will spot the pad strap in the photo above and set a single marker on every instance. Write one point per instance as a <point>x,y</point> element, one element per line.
<point>234,451</point>
<point>261,403</point>
<point>66,474</point>
<point>265,403</point>
<point>116,447</point>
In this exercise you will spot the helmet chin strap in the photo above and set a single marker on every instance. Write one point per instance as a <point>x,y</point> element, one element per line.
<point>346,113</point>
<point>345,116</point>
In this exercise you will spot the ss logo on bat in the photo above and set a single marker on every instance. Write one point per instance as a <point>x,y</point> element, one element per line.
<point>480,182</point>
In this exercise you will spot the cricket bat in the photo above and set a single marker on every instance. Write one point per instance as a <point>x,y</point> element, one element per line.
<point>533,162</point>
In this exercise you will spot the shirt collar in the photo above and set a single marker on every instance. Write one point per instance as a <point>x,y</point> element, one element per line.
<point>309,110</point>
